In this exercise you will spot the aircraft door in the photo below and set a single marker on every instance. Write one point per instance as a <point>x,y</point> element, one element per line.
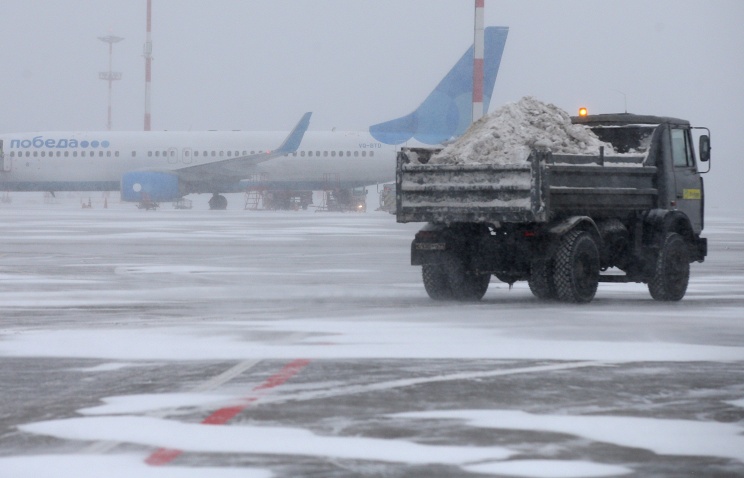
<point>187,155</point>
<point>689,184</point>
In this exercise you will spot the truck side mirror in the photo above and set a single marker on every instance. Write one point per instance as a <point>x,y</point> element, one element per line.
<point>704,148</point>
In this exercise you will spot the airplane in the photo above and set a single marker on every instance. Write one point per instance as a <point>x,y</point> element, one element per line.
<point>167,165</point>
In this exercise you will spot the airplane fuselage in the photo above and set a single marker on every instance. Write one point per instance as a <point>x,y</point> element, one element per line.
<point>96,161</point>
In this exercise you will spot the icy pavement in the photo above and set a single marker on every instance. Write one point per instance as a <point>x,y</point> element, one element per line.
<point>176,343</point>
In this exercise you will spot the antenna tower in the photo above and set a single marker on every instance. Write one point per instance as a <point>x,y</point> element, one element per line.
<point>109,75</point>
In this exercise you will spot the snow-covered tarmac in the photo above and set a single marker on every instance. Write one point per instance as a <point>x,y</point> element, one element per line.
<point>184,343</point>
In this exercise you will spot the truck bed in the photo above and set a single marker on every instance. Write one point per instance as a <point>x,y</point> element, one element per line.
<point>544,187</point>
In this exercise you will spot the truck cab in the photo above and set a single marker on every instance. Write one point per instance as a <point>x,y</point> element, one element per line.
<point>668,144</point>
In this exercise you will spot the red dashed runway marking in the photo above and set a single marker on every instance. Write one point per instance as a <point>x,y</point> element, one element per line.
<point>164,456</point>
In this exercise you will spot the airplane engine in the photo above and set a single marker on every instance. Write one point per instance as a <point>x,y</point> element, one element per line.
<point>151,186</point>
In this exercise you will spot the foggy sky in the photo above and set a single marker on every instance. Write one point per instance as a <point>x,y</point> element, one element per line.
<point>259,64</point>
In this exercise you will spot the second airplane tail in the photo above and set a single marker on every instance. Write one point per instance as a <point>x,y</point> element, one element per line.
<point>447,111</point>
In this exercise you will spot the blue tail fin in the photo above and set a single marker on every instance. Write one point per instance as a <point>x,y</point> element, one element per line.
<point>292,142</point>
<point>447,111</point>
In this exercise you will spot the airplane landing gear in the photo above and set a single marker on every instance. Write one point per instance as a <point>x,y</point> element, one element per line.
<point>217,202</point>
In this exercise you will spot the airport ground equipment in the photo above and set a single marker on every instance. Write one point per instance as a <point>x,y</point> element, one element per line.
<point>344,200</point>
<point>387,198</point>
<point>287,200</point>
<point>563,223</point>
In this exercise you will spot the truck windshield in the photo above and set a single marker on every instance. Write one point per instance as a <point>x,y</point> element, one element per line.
<point>627,139</point>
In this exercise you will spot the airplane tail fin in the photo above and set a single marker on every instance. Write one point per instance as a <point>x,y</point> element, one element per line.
<point>447,111</point>
<point>292,142</point>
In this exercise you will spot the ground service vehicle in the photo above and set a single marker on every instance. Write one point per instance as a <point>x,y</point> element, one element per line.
<point>562,222</point>
<point>344,200</point>
<point>387,198</point>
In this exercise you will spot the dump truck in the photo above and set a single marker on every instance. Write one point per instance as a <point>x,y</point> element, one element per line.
<point>562,222</point>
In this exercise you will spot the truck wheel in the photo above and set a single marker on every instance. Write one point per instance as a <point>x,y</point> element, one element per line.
<point>576,267</point>
<point>541,281</point>
<point>435,282</point>
<point>465,285</point>
<point>672,272</point>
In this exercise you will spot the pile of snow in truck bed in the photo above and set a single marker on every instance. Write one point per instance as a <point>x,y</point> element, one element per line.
<point>507,135</point>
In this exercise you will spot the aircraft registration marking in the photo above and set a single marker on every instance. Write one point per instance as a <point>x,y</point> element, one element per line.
<point>370,145</point>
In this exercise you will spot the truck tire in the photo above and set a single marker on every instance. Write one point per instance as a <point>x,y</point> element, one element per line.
<point>541,281</point>
<point>576,272</point>
<point>450,280</point>
<point>435,282</point>
<point>672,271</point>
<point>465,285</point>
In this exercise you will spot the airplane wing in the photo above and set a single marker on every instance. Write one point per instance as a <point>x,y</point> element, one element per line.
<point>168,185</point>
<point>239,167</point>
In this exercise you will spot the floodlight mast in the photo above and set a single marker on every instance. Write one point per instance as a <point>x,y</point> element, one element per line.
<point>109,75</point>
<point>148,65</point>
<point>478,55</point>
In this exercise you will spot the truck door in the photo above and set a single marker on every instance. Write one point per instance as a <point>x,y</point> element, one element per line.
<point>689,184</point>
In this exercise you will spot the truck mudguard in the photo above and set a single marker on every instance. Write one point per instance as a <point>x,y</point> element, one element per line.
<point>658,222</point>
<point>563,226</point>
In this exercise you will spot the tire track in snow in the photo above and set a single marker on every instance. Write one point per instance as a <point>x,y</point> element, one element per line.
<point>408,382</point>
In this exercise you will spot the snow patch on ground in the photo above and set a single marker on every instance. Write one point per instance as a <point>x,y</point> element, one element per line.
<point>548,469</point>
<point>507,135</point>
<point>661,436</point>
<point>361,339</point>
<point>110,367</point>
<point>112,466</point>
<point>126,404</point>
<point>161,433</point>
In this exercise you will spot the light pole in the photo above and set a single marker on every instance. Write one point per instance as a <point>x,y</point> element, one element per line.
<point>109,75</point>
<point>148,66</point>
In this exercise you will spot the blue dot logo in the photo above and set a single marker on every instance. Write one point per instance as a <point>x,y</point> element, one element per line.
<point>94,144</point>
<point>84,144</point>
<point>105,144</point>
